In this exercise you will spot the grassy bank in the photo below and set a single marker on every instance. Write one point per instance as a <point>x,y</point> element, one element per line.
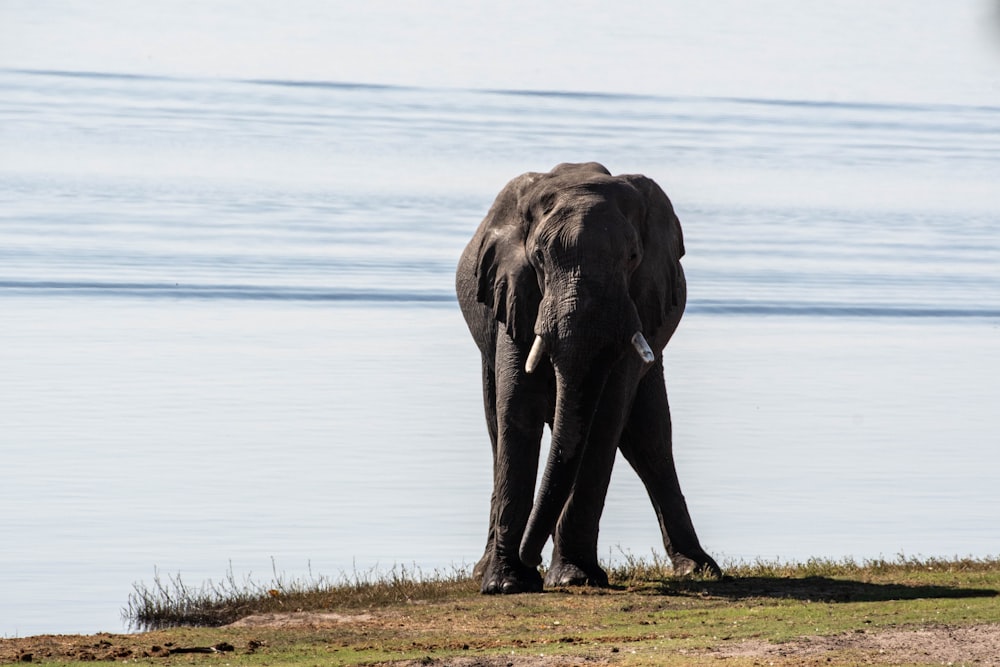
<point>905,611</point>
<point>171,602</point>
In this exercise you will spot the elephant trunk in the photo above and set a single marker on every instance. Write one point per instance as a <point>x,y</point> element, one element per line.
<point>583,344</point>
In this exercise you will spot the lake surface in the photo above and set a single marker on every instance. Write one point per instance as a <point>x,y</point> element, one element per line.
<point>229,333</point>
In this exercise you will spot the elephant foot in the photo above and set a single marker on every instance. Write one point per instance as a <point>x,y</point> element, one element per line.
<point>563,573</point>
<point>685,566</point>
<point>505,579</point>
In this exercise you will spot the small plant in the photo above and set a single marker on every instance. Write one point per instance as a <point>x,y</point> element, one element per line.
<point>629,569</point>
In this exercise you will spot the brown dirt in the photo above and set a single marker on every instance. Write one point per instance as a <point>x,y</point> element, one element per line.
<point>975,644</point>
<point>300,619</point>
<point>967,645</point>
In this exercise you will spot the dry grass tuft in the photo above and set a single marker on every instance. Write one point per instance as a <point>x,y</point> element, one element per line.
<point>172,603</point>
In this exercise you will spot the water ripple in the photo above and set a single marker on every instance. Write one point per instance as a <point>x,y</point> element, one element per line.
<point>218,291</point>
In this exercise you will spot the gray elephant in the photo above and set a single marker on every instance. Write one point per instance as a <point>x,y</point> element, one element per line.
<point>571,287</point>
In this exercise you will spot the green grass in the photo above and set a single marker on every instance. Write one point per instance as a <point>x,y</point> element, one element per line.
<point>645,618</point>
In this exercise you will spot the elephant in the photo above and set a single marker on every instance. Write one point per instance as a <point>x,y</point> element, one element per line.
<point>571,287</point>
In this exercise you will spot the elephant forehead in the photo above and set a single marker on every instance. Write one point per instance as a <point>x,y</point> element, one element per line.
<point>602,195</point>
<point>580,211</point>
<point>572,238</point>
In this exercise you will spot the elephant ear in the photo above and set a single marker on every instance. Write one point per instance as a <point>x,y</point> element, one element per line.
<point>507,283</point>
<point>658,288</point>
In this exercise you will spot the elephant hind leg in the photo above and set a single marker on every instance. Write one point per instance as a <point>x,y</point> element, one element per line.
<point>646,445</point>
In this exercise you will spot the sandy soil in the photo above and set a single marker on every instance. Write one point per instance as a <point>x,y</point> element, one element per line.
<point>976,644</point>
<point>939,645</point>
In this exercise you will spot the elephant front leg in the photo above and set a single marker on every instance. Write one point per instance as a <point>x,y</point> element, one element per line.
<point>490,407</point>
<point>514,483</point>
<point>574,558</point>
<point>520,414</point>
<point>646,445</point>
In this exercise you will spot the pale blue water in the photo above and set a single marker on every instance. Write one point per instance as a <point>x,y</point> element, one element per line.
<point>229,335</point>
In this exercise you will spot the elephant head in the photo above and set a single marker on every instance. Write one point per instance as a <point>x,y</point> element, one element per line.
<point>583,267</point>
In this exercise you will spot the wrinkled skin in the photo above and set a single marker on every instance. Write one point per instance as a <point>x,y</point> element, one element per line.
<point>565,269</point>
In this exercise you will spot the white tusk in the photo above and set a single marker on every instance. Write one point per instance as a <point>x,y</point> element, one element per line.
<point>642,347</point>
<point>537,350</point>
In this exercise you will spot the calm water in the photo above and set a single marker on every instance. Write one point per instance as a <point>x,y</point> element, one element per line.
<point>228,330</point>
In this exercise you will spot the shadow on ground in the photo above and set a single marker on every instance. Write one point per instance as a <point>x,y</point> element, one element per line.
<point>816,589</point>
